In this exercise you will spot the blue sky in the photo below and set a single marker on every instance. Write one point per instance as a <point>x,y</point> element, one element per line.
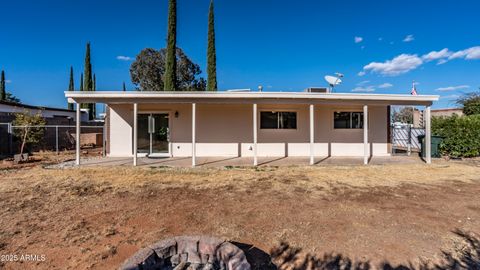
<point>380,46</point>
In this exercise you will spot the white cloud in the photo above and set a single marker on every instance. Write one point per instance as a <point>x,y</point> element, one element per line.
<point>362,83</point>
<point>436,55</point>
<point>380,38</point>
<point>361,73</point>
<point>8,81</point>
<point>124,58</point>
<point>409,38</point>
<point>469,54</point>
<point>442,61</point>
<point>364,89</point>
<point>452,88</point>
<point>385,85</point>
<point>398,65</point>
<point>358,39</point>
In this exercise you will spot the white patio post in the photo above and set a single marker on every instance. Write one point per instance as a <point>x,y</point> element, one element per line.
<point>194,152</point>
<point>77,136</point>
<point>135,133</point>
<point>312,130</point>
<point>428,149</point>
<point>255,159</point>
<point>365,134</point>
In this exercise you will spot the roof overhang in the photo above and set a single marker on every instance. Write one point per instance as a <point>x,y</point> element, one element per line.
<point>223,97</point>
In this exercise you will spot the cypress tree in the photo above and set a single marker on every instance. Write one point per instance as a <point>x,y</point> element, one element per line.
<point>211,52</point>
<point>93,106</point>
<point>88,81</point>
<point>81,82</point>
<point>124,87</point>
<point>71,87</point>
<point>3,91</point>
<point>171,58</point>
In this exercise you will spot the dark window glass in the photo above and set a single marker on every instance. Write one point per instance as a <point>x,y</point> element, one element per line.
<point>342,120</point>
<point>268,120</point>
<point>278,120</point>
<point>357,120</point>
<point>288,120</point>
<point>348,120</point>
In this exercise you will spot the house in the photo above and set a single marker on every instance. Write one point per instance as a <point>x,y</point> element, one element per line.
<point>52,115</point>
<point>447,112</point>
<point>249,124</point>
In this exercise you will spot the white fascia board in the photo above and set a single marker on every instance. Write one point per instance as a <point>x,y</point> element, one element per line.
<point>247,95</point>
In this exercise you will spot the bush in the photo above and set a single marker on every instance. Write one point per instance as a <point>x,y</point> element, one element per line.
<point>461,135</point>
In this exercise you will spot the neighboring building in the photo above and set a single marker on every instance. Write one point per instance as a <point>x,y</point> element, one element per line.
<point>248,124</point>
<point>418,118</point>
<point>8,110</point>
<point>447,112</point>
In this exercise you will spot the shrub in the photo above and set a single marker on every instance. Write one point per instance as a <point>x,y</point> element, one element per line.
<point>470,103</point>
<point>461,135</point>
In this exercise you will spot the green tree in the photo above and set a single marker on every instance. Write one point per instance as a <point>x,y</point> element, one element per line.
<point>93,106</point>
<point>470,103</point>
<point>170,63</point>
<point>4,94</point>
<point>88,81</point>
<point>71,87</point>
<point>81,82</point>
<point>211,52</point>
<point>32,128</point>
<point>148,69</point>
<point>403,115</point>
<point>3,91</point>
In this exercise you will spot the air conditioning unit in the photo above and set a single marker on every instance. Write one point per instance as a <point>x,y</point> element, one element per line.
<point>317,90</point>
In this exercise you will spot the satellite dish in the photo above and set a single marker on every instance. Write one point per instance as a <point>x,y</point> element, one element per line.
<point>332,81</point>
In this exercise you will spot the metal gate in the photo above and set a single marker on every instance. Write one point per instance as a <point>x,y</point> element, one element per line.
<point>405,139</point>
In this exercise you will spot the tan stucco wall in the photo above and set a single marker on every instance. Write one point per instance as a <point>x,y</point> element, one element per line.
<point>226,130</point>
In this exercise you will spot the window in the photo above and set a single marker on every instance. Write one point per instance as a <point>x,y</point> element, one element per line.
<point>348,120</point>
<point>278,120</point>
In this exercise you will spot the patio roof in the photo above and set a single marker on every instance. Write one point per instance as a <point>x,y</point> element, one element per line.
<point>112,97</point>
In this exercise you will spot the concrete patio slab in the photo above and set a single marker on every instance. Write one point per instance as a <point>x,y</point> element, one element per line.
<point>248,161</point>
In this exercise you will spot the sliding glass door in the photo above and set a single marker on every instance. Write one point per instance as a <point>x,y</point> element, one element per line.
<point>153,134</point>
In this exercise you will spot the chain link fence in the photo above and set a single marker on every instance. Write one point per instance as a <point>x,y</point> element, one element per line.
<point>55,138</point>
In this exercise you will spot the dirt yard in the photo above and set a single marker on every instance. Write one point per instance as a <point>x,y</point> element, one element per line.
<point>302,217</point>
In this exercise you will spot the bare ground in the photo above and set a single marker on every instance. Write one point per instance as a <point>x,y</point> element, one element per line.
<point>95,218</point>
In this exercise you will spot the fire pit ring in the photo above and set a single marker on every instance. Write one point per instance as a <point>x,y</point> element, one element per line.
<point>188,252</point>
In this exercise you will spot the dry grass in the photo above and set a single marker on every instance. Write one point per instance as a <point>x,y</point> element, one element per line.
<point>281,179</point>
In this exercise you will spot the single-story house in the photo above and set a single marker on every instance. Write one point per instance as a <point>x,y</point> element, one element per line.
<point>249,124</point>
<point>9,109</point>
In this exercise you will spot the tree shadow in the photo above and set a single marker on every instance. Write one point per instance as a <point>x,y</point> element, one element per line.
<point>286,257</point>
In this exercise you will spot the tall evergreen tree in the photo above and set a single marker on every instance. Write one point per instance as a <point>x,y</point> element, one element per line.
<point>88,81</point>
<point>124,87</point>
<point>71,87</point>
<point>3,91</point>
<point>93,106</point>
<point>211,52</point>
<point>171,59</point>
<point>81,82</point>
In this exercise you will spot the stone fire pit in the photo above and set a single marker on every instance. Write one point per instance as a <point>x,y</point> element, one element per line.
<point>188,252</point>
